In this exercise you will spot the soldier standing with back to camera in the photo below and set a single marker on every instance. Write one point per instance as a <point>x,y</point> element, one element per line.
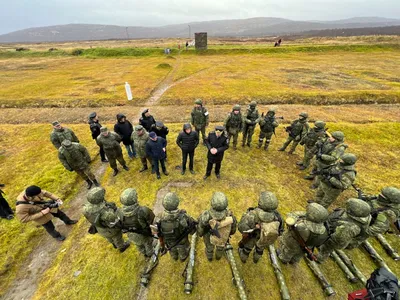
<point>297,130</point>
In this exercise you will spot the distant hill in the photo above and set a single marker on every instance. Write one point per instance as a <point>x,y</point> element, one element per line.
<point>222,28</point>
<point>388,30</point>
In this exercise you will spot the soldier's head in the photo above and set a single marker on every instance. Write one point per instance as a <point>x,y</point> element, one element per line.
<point>159,125</point>
<point>96,195</point>
<point>146,113</point>
<point>303,116</point>
<point>389,195</point>
<point>187,128</point>
<point>357,208</point>
<point>236,109</point>
<point>219,130</point>
<point>348,159</point>
<point>198,103</point>
<point>104,131</point>
<point>253,105</point>
<point>219,204</point>
<point>271,112</point>
<point>337,136</point>
<point>316,213</point>
<point>121,118</point>
<point>139,129</point>
<point>66,144</point>
<point>110,217</point>
<point>129,197</point>
<point>56,125</point>
<point>170,202</point>
<point>153,136</point>
<point>33,191</point>
<point>268,201</point>
<point>319,125</point>
<point>93,116</point>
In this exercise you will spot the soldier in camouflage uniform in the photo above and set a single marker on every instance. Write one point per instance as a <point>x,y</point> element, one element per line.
<point>174,226</point>
<point>336,179</point>
<point>251,119</point>
<point>140,137</point>
<point>136,220</point>
<point>267,128</point>
<point>297,130</point>
<point>110,143</point>
<point>75,157</point>
<point>234,124</point>
<point>216,225</point>
<point>102,215</point>
<point>346,227</point>
<point>309,226</point>
<point>260,227</point>
<point>200,118</point>
<point>60,133</point>
<point>309,141</point>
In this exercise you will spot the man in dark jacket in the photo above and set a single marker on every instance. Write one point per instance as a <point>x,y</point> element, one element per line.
<point>162,131</point>
<point>187,140</point>
<point>5,209</point>
<point>217,142</point>
<point>124,128</point>
<point>95,129</point>
<point>147,120</point>
<point>155,148</point>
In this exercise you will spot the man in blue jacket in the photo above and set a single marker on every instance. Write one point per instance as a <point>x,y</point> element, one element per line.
<point>155,148</point>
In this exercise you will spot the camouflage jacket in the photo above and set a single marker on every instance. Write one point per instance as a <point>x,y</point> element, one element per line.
<point>330,153</point>
<point>234,123</point>
<point>94,214</point>
<point>59,135</point>
<point>140,142</point>
<point>136,218</point>
<point>110,144</point>
<point>203,226</point>
<point>312,137</point>
<point>257,216</point>
<point>199,117</point>
<point>340,177</point>
<point>298,130</point>
<point>382,217</point>
<point>268,124</point>
<point>252,117</point>
<point>75,157</point>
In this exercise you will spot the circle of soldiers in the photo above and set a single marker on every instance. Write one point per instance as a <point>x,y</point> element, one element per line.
<point>333,171</point>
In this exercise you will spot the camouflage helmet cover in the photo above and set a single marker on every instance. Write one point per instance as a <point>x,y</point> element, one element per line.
<point>390,194</point>
<point>170,201</point>
<point>338,135</point>
<point>268,201</point>
<point>236,107</point>
<point>316,213</point>
<point>349,159</point>
<point>357,208</point>
<point>319,124</point>
<point>96,195</point>
<point>253,103</point>
<point>219,202</point>
<point>108,216</point>
<point>129,197</point>
<point>303,115</point>
<point>198,101</point>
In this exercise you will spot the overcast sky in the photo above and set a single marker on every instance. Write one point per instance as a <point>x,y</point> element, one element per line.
<point>21,14</point>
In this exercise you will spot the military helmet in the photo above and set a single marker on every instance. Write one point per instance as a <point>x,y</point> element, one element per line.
<point>271,111</point>
<point>138,127</point>
<point>66,143</point>
<point>303,115</point>
<point>316,213</point>
<point>253,103</point>
<point>219,202</point>
<point>129,197</point>
<point>170,201</point>
<point>96,195</point>
<point>236,107</point>
<point>357,208</point>
<point>349,159</point>
<point>108,216</point>
<point>268,201</point>
<point>198,101</point>
<point>92,115</point>
<point>338,135</point>
<point>319,124</point>
<point>390,194</point>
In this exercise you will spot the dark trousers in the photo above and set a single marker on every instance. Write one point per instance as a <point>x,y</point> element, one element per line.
<point>49,226</point>
<point>210,165</point>
<point>5,209</point>
<point>185,155</point>
<point>156,166</point>
<point>102,154</point>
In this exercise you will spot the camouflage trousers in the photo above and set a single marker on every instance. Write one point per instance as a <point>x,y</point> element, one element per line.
<point>86,174</point>
<point>114,236</point>
<point>248,131</point>
<point>309,153</point>
<point>113,162</point>
<point>181,250</point>
<point>245,249</point>
<point>326,194</point>
<point>289,249</point>
<point>143,243</point>
<point>264,135</point>
<point>337,241</point>
<point>219,251</point>
<point>201,130</point>
<point>288,141</point>
<point>234,137</point>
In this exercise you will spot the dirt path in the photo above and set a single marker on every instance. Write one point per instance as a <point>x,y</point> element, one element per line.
<point>41,258</point>
<point>157,209</point>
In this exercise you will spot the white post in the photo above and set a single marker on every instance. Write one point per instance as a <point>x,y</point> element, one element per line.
<point>128,91</point>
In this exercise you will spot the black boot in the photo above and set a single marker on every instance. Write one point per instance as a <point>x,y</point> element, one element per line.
<point>115,172</point>
<point>143,169</point>
<point>89,184</point>
<point>126,168</point>
<point>124,247</point>
<point>96,183</point>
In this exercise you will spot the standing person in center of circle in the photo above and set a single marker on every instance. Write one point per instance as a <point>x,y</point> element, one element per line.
<point>155,148</point>
<point>200,119</point>
<point>217,142</point>
<point>267,128</point>
<point>234,125</point>
<point>187,140</point>
<point>124,128</point>
<point>162,131</point>
<point>297,130</point>
<point>147,120</point>
<point>251,119</point>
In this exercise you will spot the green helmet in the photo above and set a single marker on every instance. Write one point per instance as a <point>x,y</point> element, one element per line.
<point>253,103</point>
<point>129,197</point>
<point>219,202</point>
<point>319,124</point>
<point>96,195</point>
<point>390,195</point>
<point>170,201</point>
<point>349,159</point>
<point>108,216</point>
<point>268,201</point>
<point>357,208</point>
<point>338,135</point>
<point>198,101</point>
<point>236,107</point>
<point>316,213</point>
<point>303,115</point>
<point>271,111</point>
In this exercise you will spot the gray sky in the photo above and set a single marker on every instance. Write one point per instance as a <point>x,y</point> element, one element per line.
<point>21,14</point>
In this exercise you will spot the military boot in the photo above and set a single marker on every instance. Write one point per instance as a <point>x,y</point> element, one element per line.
<point>144,168</point>
<point>209,255</point>
<point>219,253</point>
<point>259,145</point>
<point>302,168</point>
<point>266,146</point>
<point>257,254</point>
<point>89,184</point>
<point>243,256</point>
<point>124,247</point>
<point>299,163</point>
<point>126,168</point>
<point>96,183</point>
<point>115,172</point>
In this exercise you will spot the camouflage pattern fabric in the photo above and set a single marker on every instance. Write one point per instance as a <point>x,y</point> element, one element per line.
<point>59,135</point>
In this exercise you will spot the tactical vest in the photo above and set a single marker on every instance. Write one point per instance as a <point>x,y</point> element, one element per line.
<point>314,239</point>
<point>268,126</point>
<point>73,156</point>
<point>252,115</point>
<point>339,216</point>
<point>312,137</point>
<point>131,222</point>
<point>171,228</point>
<point>235,121</point>
<point>296,128</point>
<point>199,117</point>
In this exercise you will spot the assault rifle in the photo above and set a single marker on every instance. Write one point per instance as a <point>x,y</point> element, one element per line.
<point>184,234</point>
<point>44,204</point>
<point>309,252</point>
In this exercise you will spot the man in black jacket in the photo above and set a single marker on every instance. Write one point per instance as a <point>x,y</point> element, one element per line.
<point>187,140</point>
<point>162,131</point>
<point>147,120</point>
<point>5,209</point>
<point>95,129</point>
<point>217,142</point>
<point>124,128</point>
<point>155,148</point>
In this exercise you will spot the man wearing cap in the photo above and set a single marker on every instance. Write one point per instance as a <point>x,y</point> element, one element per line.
<point>140,137</point>
<point>187,140</point>
<point>155,148</point>
<point>147,120</point>
<point>95,130</point>
<point>251,119</point>
<point>162,131</point>
<point>31,206</point>
<point>60,133</point>
<point>75,157</point>
<point>124,128</point>
<point>297,130</point>
<point>217,142</point>
<point>234,124</point>
<point>110,143</point>
<point>199,118</point>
